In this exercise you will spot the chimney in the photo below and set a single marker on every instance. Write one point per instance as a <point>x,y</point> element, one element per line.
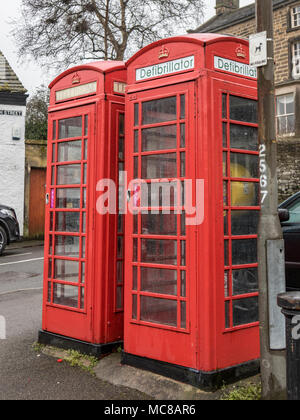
<point>226,6</point>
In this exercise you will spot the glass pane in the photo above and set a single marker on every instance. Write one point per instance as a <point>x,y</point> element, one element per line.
<point>53,152</point>
<point>82,298</point>
<point>68,198</point>
<point>224,105</point>
<point>71,127</point>
<point>136,141</point>
<point>245,311</point>
<point>226,231</point>
<point>159,311</point>
<point>183,253</point>
<point>243,138</point>
<point>244,194</point>
<point>66,270</point>
<point>182,135</point>
<point>135,250</point>
<point>244,251</point>
<point>182,107</point>
<point>121,124</point>
<point>134,278</point>
<point>69,151</point>
<point>69,175</point>
<point>225,166</point>
<point>245,281</point>
<point>183,224</point>
<point>244,222</point>
<point>156,280</point>
<point>51,222</point>
<point>86,125</point>
<point>120,247</point>
<point>182,165</point>
<point>49,292</point>
<point>54,131</point>
<point>83,223</point>
<point>183,284</point>
<point>183,314</point>
<point>227,314</point>
<point>65,295</point>
<point>136,114</point>
<point>226,253</point>
<point>83,247</point>
<point>242,109</point>
<point>225,140</point>
<point>53,175</point>
<point>134,306</point>
<point>119,302</point>
<point>121,148</point>
<point>243,166</point>
<point>160,110</point>
<point>85,155</point>
<point>226,284</point>
<point>294,210</point>
<point>159,166</point>
<point>83,198</point>
<point>225,193</point>
<point>67,222</point>
<point>159,251</point>
<point>159,224</point>
<point>159,138</point>
<point>159,194</point>
<point>83,272</point>
<point>67,246</point>
<point>50,268</point>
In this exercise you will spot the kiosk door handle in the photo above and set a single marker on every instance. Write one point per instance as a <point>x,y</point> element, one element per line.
<point>47,199</point>
<point>128,195</point>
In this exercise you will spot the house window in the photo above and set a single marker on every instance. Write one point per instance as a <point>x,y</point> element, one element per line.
<point>296,60</point>
<point>295,17</point>
<point>285,114</point>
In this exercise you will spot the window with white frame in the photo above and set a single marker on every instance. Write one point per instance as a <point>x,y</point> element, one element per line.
<point>285,114</point>
<point>295,17</point>
<point>296,60</point>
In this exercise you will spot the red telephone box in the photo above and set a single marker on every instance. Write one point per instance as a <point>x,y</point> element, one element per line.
<point>191,288</point>
<point>83,274</point>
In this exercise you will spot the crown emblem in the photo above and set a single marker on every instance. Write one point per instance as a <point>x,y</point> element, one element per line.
<point>240,52</point>
<point>163,53</point>
<point>76,79</point>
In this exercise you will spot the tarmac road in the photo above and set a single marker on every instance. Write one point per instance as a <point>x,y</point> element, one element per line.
<point>25,374</point>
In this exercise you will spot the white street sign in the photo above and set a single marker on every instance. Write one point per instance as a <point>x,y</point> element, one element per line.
<point>258,49</point>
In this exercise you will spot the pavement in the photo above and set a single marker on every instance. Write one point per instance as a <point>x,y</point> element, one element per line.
<point>30,372</point>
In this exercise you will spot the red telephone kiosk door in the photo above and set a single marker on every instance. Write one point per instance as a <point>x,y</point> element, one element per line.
<point>83,274</point>
<point>68,221</point>
<point>159,260</point>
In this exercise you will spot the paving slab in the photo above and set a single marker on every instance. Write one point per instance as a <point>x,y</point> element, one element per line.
<point>158,387</point>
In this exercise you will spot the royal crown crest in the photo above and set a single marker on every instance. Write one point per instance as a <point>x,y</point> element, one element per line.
<point>240,52</point>
<point>163,53</point>
<point>75,79</point>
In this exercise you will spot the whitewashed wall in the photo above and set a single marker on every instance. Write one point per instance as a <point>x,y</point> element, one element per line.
<point>12,160</point>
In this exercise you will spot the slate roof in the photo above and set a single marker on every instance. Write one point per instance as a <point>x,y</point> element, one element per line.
<point>226,20</point>
<point>9,81</point>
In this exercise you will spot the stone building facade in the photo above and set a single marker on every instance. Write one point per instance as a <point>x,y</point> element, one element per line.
<point>230,19</point>
<point>12,139</point>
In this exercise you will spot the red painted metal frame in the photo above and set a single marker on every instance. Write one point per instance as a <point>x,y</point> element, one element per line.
<point>206,345</point>
<point>98,322</point>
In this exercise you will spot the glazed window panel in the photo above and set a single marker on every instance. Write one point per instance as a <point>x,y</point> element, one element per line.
<point>244,222</point>
<point>159,281</point>
<point>159,166</point>
<point>67,246</point>
<point>69,175</point>
<point>68,198</point>
<point>159,311</point>
<point>244,251</point>
<point>243,137</point>
<point>158,251</point>
<point>245,311</point>
<point>65,295</point>
<point>159,138</point>
<point>67,222</point>
<point>243,109</point>
<point>70,127</point>
<point>159,224</point>
<point>66,270</point>
<point>245,281</point>
<point>159,110</point>
<point>244,194</point>
<point>69,151</point>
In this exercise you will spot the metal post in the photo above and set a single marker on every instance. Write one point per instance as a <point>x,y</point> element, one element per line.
<point>290,304</point>
<point>273,366</point>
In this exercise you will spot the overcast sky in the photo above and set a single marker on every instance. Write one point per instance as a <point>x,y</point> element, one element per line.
<point>31,74</point>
